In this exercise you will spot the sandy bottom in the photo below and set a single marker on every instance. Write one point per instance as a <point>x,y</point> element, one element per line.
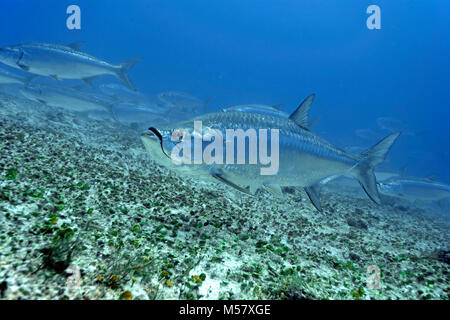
<point>86,214</point>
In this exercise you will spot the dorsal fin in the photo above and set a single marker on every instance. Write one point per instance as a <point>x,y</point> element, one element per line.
<point>300,116</point>
<point>76,45</point>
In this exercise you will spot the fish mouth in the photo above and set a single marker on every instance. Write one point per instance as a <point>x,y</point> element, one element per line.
<point>150,135</point>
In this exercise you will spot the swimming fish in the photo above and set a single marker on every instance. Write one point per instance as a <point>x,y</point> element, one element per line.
<point>7,77</point>
<point>130,114</point>
<point>414,189</point>
<point>124,94</point>
<point>305,159</point>
<point>183,101</point>
<point>67,98</point>
<point>63,62</point>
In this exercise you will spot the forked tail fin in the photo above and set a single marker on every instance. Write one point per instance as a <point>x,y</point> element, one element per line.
<point>122,71</point>
<point>363,171</point>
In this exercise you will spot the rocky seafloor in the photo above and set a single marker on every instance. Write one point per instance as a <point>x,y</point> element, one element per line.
<point>86,214</point>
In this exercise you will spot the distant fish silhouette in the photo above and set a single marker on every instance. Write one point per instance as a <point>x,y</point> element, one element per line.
<point>394,125</point>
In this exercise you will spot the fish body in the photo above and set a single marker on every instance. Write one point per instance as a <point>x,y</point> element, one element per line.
<point>129,114</point>
<point>66,98</point>
<point>305,159</point>
<point>183,101</point>
<point>124,94</point>
<point>62,62</point>
<point>414,189</point>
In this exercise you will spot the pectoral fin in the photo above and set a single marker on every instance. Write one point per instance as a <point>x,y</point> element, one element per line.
<point>20,64</point>
<point>313,195</point>
<point>221,178</point>
<point>23,67</point>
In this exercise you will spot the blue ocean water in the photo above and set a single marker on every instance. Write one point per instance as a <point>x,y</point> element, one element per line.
<point>236,52</point>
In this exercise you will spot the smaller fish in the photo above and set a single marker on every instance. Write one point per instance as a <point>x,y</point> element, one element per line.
<point>123,93</point>
<point>392,125</point>
<point>367,134</point>
<point>184,101</point>
<point>129,114</point>
<point>63,62</point>
<point>67,98</point>
<point>7,77</point>
<point>414,189</point>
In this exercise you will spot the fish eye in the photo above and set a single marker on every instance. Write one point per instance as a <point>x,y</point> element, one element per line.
<point>177,134</point>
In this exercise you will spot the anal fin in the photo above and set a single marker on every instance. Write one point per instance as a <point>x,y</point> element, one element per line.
<point>274,189</point>
<point>313,195</point>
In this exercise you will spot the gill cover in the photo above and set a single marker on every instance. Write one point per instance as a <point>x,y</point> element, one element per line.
<point>159,136</point>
